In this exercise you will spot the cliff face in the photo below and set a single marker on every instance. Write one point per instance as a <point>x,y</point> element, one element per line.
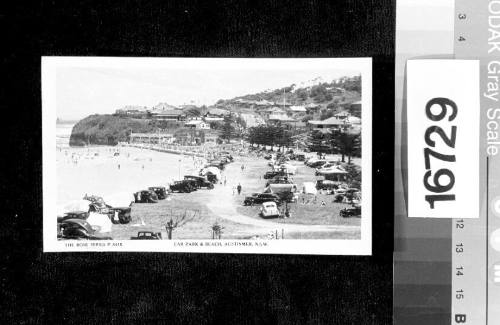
<point>106,130</point>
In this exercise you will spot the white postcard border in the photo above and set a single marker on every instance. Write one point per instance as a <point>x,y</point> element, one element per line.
<point>49,67</point>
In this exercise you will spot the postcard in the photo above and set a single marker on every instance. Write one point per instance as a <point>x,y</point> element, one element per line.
<point>212,155</point>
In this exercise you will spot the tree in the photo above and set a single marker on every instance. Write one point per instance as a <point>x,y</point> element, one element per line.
<point>179,219</point>
<point>302,94</point>
<point>216,230</point>
<point>315,142</point>
<point>347,144</point>
<point>227,130</point>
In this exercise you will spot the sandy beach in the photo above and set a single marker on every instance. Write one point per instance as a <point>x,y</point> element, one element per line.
<point>108,171</point>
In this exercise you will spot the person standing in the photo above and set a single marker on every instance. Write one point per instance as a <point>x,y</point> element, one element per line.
<point>239,188</point>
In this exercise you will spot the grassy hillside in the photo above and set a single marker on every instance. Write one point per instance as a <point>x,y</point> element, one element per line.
<point>109,129</point>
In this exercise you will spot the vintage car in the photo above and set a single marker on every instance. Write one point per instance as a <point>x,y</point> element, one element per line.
<point>147,235</point>
<point>227,155</point>
<point>273,173</point>
<point>120,215</point>
<point>268,156</point>
<point>115,214</point>
<point>160,191</point>
<point>216,163</point>
<point>184,186</point>
<point>259,198</point>
<point>269,210</point>
<point>315,163</point>
<point>82,215</point>
<point>279,180</point>
<point>97,204</point>
<point>78,229</point>
<point>145,196</point>
<point>354,211</point>
<point>326,185</point>
<point>211,177</point>
<point>200,181</point>
<point>300,157</point>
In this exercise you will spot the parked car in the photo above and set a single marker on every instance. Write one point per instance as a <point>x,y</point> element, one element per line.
<point>183,186</point>
<point>78,229</point>
<point>273,173</point>
<point>354,211</point>
<point>211,177</point>
<point>82,215</point>
<point>326,185</point>
<point>227,155</point>
<point>288,196</point>
<point>160,191</point>
<point>268,156</point>
<point>147,235</point>
<point>145,196</point>
<point>120,215</point>
<point>97,204</point>
<point>316,163</point>
<point>200,181</point>
<point>259,198</point>
<point>269,210</point>
<point>279,180</point>
<point>300,157</point>
<point>115,214</point>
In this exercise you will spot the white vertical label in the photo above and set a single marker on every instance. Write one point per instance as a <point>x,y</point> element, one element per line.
<point>443,138</point>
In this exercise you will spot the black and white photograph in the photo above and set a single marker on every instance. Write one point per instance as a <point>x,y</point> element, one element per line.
<point>207,155</point>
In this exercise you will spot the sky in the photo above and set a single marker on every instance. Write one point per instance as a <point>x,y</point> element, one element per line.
<point>85,89</point>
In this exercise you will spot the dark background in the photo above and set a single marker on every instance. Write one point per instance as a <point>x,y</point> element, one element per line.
<point>187,288</point>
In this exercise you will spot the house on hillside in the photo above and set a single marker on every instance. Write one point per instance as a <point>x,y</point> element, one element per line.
<point>197,124</point>
<point>298,109</point>
<point>263,102</point>
<point>216,114</point>
<point>312,108</point>
<point>329,124</point>
<point>168,115</point>
<point>342,115</point>
<point>164,107</point>
<point>355,108</point>
<point>275,111</point>
<point>134,111</point>
<point>286,121</point>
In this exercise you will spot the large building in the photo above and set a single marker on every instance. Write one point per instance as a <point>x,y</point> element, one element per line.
<point>169,115</point>
<point>151,138</point>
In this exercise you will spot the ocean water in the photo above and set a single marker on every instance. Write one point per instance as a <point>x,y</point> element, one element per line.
<point>113,171</point>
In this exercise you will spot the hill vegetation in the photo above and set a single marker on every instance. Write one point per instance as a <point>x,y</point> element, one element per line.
<point>110,129</point>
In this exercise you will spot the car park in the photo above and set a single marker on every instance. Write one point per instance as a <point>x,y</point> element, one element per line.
<point>145,196</point>
<point>160,191</point>
<point>269,210</point>
<point>200,181</point>
<point>259,198</point>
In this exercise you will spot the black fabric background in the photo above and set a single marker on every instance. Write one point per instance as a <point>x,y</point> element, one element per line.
<point>187,288</point>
